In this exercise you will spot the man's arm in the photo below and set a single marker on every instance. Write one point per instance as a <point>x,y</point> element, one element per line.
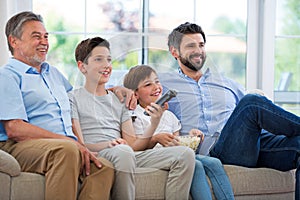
<point>19,130</point>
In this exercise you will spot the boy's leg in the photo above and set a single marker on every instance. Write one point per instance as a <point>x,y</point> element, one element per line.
<point>123,159</point>
<point>179,161</point>
<point>200,189</point>
<point>58,160</point>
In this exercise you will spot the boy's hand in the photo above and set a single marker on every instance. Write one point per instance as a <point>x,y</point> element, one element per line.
<point>117,142</point>
<point>166,139</point>
<point>155,111</point>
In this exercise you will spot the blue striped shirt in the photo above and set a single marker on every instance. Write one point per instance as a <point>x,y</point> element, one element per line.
<point>205,104</point>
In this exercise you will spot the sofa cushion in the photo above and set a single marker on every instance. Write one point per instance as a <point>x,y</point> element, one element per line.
<point>150,183</point>
<point>5,186</point>
<point>8,164</point>
<point>260,181</point>
<point>28,186</point>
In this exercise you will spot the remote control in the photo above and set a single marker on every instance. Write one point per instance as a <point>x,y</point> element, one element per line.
<point>164,98</point>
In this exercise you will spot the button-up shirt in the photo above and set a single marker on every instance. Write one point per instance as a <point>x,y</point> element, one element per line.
<point>205,104</point>
<point>39,98</point>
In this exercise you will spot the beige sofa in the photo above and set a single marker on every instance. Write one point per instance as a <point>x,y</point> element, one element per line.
<point>248,184</point>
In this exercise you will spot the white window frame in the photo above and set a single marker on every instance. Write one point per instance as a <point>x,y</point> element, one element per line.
<point>261,45</point>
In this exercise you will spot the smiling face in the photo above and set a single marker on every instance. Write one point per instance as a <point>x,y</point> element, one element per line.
<point>149,90</point>
<point>97,69</point>
<point>192,52</point>
<point>33,45</point>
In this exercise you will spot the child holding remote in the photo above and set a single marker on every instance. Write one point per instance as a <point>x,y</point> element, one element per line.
<point>147,88</point>
<point>104,125</point>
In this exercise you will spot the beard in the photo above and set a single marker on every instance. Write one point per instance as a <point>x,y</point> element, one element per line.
<point>193,66</point>
<point>33,60</point>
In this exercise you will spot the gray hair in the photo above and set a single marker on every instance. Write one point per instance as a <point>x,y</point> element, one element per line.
<point>14,26</point>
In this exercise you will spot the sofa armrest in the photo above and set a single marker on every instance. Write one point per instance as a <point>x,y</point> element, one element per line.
<point>8,164</point>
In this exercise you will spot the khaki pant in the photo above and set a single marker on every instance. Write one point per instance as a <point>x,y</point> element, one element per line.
<point>60,161</point>
<point>178,160</point>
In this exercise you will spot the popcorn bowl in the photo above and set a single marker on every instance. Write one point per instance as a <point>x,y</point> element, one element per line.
<point>189,141</point>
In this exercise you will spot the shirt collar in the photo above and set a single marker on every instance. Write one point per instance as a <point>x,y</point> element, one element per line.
<point>24,68</point>
<point>205,75</point>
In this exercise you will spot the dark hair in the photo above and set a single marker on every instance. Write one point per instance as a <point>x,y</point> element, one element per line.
<point>136,75</point>
<point>14,26</point>
<point>175,37</point>
<point>85,47</point>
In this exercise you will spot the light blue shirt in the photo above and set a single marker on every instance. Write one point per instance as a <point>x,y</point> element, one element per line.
<point>38,98</point>
<point>205,105</point>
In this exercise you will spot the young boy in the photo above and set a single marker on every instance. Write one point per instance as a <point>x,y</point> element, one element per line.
<point>144,81</point>
<point>104,125</point>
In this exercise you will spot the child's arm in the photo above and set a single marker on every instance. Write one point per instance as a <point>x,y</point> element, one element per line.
<point>176,133</point>
<point>141,143</point>
<point>103,145</point>
<point>77,130</point>
<point>165,139</point>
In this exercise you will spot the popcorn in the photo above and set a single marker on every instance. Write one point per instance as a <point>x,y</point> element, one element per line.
<point>189,141</point>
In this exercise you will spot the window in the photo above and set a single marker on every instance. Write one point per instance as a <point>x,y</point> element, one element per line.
<point>239,41</point>
<point>287,60</point>
<point>138,29</point>
<point>224,26</point>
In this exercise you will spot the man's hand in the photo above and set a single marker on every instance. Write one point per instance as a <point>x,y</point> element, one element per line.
<point>87,156</point>
<point>197,132</point>
<point>166,139</point>
<point>122,93</point>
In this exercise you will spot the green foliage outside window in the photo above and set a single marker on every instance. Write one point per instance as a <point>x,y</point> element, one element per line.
<point>287,49</point>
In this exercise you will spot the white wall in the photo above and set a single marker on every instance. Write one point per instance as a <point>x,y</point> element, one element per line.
<point>7,9</point>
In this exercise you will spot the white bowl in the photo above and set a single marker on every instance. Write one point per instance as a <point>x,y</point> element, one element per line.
<point>189,141</point>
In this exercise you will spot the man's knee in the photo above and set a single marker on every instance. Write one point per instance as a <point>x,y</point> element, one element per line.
<point>251,98</point>
<point>68,151</point>
<point>107,168</point>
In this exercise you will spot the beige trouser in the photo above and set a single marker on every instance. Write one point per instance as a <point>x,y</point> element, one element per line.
<point>60,161</point>
<point>178,160</point>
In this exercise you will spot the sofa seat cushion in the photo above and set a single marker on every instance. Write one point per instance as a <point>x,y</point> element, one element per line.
<point>28,186</point>
<point>150,183</point>
<point>260,181</point>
